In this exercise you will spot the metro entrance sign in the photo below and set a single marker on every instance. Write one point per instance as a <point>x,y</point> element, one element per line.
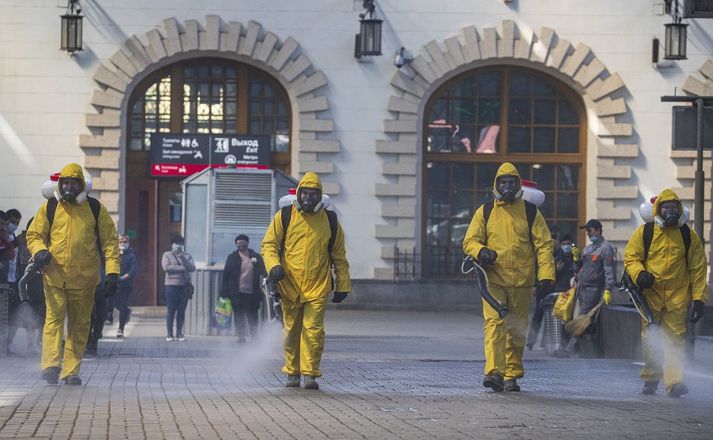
<point>184,154</point>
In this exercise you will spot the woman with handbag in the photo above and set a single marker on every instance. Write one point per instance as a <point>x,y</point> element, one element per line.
<point>178,289</point>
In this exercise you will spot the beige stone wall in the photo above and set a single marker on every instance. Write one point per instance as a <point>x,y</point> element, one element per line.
<point>250,43</point>
<point>602,91</point>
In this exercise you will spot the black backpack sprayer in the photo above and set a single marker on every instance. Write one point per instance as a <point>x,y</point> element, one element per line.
<point>271,297</point>
<point>26,315</point>
<point>470,265</point>
<point>637,298</point>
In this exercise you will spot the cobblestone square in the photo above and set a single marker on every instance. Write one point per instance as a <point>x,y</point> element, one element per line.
<point>401,375</point>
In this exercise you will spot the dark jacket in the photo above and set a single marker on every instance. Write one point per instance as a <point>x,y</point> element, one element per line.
<point>231,273</point>
<point>129,265</point>
<point>565,274</point>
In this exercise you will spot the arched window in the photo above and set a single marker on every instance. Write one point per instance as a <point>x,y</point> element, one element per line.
<point>209,95</point>
<point>481,119</point>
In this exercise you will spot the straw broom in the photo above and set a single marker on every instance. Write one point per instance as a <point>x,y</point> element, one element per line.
<point>578,325</point>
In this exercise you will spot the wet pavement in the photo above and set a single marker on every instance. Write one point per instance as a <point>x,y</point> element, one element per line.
<point>386,375</point>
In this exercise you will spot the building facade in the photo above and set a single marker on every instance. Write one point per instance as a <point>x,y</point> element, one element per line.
<point>565,89</point>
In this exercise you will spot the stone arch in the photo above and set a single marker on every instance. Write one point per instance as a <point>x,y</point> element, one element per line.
<point>686,160</point>
<point>140,55</point>
<point>603,93</point>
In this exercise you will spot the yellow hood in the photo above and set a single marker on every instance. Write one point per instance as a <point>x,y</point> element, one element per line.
<point>310,180</point>
<point>507,169</point>
<point>666,195</point>
<point>71,171</point>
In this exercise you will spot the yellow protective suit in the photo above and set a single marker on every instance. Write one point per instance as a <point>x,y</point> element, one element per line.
<point>512,276</point>
<point>308,279</point>
<point>678,282</point>
<point>73,273</point>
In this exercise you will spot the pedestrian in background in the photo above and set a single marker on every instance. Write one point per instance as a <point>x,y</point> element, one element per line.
<point>671,271</point>
<point>241,284</point>
<point>178,266</point>
<point>129,269</point>
<point>514,245</point>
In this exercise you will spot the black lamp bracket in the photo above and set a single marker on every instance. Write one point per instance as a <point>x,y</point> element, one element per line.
<point>369,8</point>
<point>73,7</point>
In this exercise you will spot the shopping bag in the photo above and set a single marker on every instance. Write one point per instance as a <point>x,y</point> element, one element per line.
<point>564,305</point>
<point>223,314</point>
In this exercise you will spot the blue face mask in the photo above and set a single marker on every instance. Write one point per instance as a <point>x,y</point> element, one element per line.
<point>594,238</point>
<point>566,248</point>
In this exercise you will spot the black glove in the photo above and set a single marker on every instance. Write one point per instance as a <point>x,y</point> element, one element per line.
<point>545,287</point>
<point>645,280</point>
<point>277,273</point>
<point>339,297</point>
<point>487,256</point>
<point>42,258</point>
<point>696,311</point>
<point>111,280</point>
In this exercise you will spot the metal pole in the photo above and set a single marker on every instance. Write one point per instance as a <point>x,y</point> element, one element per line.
<point>700,176</point>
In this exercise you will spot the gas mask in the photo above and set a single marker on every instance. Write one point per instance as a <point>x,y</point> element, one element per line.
<point>177,248</point>
<point>309,201</point>
<point>70,189</point>
<point>507,188</point>
<point>669,213</point>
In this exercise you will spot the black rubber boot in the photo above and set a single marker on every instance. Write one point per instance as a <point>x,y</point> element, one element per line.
<point>311,383</point>
<point>494,382</point>
<point>293,381</point>
<point>511,385</point>
<point>72,380</point>
<point>650,387</point>
<point>677,390</point>
<point>51,375</point>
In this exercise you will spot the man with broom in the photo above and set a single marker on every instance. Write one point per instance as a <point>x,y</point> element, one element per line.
<point>595,281</point>
<point>667,262</point>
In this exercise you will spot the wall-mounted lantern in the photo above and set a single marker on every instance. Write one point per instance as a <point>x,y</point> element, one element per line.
<point>676,36</point>
<point>72,28</point>
<point>368,40</point>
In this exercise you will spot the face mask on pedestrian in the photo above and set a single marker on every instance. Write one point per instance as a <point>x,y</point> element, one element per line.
<point>11,227</point>
<point>309,199</point>
<point>566,248</point>
<point>508,186</point>
<point>175,247</point>
<point>594,235</point>
<point>70,189</point>
<point>670,213</point>
<point>123,246</point>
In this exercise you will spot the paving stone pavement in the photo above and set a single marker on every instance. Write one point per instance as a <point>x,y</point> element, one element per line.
<point>386,375</point>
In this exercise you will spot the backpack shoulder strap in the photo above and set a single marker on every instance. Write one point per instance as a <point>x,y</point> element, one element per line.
<point>686,234</point>
<point>286,216</point>
<point>51,209</point>
<point>530,213</point>
<point>333,225</point>
<point>648,237</point>
<point>487,209</point>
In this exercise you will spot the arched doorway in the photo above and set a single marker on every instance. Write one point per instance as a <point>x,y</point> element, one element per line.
<point>201,95</point>
<point>482,118</point>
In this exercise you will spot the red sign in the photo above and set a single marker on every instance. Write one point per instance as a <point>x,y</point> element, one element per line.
<point>176,169</point>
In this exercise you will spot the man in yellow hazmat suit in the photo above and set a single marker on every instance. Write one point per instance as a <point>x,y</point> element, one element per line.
<point>510,238</point>
<point>667,262</point>
<point>301,245</point>
<point>65,238</point>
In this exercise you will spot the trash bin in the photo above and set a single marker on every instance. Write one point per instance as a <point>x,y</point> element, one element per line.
<point>5,293</point>
<point>554,327</point>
